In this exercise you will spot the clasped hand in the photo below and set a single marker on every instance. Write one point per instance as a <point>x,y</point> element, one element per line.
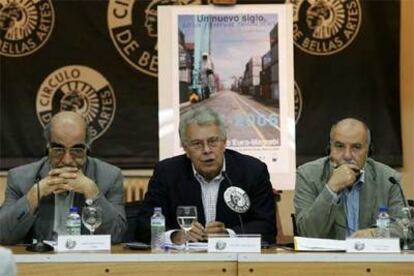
<point>65,179</point>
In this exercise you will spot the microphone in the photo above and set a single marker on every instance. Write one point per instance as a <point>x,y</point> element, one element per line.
<point>236,199</point>
<point>395,182</point>
<point>39,246</point>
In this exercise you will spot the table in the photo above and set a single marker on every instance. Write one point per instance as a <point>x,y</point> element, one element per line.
<point>123,261</point>
<point>320,264</point>
<point>275,261</point>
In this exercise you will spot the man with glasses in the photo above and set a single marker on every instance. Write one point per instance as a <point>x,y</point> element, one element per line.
<point>199,178</point>
<point>338,196</point>
<point>66,177</point>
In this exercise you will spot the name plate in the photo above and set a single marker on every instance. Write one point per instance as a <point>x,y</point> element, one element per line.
<point>389,245</point>
<point>80,243</point>
<point>234,244</point>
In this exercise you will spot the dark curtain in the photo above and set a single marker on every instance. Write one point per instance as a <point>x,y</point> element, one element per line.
<point>361,80</point>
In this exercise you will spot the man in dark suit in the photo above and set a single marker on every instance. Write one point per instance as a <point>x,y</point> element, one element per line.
<point>66,177</point>
<point>200,178</point>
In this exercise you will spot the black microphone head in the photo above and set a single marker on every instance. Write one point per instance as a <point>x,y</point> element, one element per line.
<point>393,180</point>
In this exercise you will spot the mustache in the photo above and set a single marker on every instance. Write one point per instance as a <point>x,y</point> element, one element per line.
<point>349,162</point>
<point>335,164</point>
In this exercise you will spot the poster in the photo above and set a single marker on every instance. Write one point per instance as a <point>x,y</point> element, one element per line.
<point>237,61</point>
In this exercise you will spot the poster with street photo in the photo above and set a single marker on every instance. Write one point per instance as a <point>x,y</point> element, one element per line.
<point>237,61</point>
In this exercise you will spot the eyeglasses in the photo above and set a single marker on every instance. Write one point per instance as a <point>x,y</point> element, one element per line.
<point>341,147</point>
<point>212,142</point>
<point>76,152</point>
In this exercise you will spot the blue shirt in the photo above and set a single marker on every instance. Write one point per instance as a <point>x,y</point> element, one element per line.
<point>351,201</point>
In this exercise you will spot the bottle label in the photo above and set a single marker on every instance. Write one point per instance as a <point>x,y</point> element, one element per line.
<point>157,233</point>
<point>382,223</point>
<point>73,226</point>
<point>157,222</point>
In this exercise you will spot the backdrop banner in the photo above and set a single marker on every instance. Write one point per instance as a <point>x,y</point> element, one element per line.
<point>100,58</point>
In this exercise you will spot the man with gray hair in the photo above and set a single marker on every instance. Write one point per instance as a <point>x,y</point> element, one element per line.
<point>199,178</point>
<point>339,195</point>
<point>39,194</point>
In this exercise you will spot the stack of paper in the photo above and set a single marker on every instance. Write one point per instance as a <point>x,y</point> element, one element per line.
<point>312,244</point>
<point>192,246</point>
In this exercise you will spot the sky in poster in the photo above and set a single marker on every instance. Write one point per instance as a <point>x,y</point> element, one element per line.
<point>232,45</point>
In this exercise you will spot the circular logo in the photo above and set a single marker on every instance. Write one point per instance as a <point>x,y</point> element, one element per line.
<point>133,28</point>
<point>70,244</point>
<point>359,246</point>
<point>221,245</point>
<point>325,27</point>
<point>24,26</point>
<point>81,89</point>
<point>298,102</point>
<point>237,199</point>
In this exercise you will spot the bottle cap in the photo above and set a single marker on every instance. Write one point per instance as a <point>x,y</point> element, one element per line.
<point>383,209</point>
<point>157,209</point>
<point>73,209</point>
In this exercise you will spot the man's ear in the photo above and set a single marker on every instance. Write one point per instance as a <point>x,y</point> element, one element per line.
<point>185,150</point>
<point>47,150</point>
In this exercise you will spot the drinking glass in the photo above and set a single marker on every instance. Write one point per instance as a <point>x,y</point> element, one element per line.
<point>92,217</point>
<point>405,220</point>
<point>186,217</point>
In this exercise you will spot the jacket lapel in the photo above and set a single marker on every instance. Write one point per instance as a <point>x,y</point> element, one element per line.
<point>46,210</point>
<point>367,201</point>
<point>191,193</point>
<point>89,171</point>
<point>223,213</point>
<point>340,221</point>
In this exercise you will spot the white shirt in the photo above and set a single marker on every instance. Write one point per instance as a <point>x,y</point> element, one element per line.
<point>209,195</point>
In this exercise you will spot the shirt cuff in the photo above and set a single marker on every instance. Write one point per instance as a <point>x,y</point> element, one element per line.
<point>168,235</point>
<point>231,233</point>
<point>335,196</point>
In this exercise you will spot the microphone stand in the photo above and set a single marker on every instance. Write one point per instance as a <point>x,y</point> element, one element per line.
<point>395,182</point>
<point>39,246</point>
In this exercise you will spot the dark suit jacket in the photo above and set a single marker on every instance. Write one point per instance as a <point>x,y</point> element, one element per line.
<point>19,224</point>
<point>173,184</point>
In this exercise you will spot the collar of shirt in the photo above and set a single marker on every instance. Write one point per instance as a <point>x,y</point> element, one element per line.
<point>199,177</point>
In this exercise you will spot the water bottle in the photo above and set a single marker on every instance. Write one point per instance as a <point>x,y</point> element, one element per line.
<point>73,223</point>
<point>157,230</point>
<point>383,223</point>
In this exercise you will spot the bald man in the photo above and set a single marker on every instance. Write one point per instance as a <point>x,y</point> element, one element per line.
<point>338,196</point>
<point>67,177</point>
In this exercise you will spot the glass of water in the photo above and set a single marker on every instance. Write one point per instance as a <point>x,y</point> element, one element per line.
<point>186,217</point>
<point>405,219</point>
<point>92,218</point>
